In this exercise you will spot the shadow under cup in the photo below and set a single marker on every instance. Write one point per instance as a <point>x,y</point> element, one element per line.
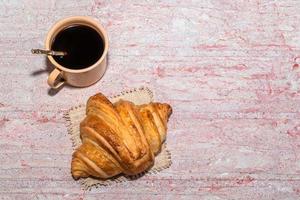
<point>86,44</point>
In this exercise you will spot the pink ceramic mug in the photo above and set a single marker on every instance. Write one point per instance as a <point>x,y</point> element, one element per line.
<point>76,77</point>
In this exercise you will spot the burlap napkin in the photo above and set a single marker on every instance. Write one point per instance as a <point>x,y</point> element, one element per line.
<point>76,114</point>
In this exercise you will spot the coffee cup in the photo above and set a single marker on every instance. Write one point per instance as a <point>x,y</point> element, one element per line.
<point>86,45</point>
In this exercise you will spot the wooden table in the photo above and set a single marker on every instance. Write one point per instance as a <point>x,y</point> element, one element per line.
<point>229,69</point>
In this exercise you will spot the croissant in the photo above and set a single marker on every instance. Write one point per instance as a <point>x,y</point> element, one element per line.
<point>119,138</point>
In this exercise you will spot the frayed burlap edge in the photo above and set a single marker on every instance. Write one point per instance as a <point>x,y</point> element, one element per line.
<point>76,114</point>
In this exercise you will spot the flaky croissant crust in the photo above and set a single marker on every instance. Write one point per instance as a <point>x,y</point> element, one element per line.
<point>119,138</point>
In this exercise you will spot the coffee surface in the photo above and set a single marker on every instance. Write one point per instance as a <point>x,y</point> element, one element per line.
<point>83,44</point>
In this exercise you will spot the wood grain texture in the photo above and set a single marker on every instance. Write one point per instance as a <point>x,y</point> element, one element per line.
<point>230,69</point>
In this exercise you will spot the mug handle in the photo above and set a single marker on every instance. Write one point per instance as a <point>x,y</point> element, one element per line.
<point>52,79</point>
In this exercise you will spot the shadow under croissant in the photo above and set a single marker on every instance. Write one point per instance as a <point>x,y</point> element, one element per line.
<point>113,180</point>
<point>128,177</point>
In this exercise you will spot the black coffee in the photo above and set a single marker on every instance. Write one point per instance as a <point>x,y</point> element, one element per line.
<point>84,46</point>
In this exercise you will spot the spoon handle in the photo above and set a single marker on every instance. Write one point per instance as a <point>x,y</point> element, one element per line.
<point>48,52</point>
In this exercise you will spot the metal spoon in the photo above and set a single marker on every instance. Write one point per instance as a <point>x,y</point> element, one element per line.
<point>48,52</point>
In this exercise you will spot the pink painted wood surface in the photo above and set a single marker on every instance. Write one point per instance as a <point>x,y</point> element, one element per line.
<point>230,69</point>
